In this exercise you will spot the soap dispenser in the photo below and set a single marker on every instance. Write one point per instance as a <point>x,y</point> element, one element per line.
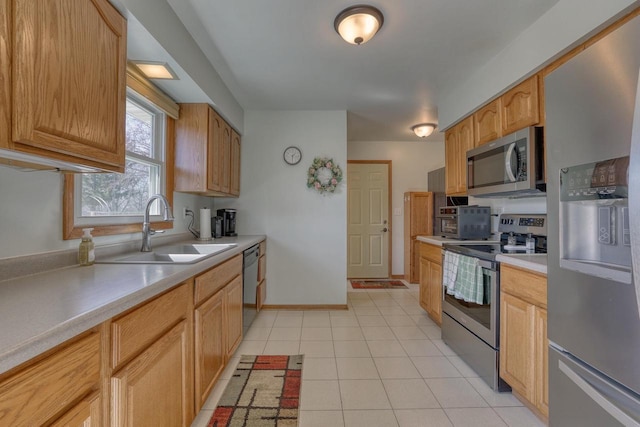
<point>86,254</point>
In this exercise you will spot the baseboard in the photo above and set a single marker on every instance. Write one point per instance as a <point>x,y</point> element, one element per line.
<point>397,276</point>
<point>305,306</point>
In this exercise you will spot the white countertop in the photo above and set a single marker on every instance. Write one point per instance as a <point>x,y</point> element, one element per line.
<point>534,262</point>
<point>43,310</point>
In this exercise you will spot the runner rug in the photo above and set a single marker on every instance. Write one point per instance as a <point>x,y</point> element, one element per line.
<point>263,392</point>
<point>377,284</point>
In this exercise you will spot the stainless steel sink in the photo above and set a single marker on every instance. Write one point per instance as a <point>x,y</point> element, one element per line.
<point>172,254</point>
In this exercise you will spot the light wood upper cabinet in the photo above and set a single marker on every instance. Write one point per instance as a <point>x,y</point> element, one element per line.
<point>487,123</point>
<point>458,140</point>
<point>63,98</point>
<point>207,157</point>
<point>51,388</point>
<point>235,163</point>
<point>523,335</point>
<point>520,106</point>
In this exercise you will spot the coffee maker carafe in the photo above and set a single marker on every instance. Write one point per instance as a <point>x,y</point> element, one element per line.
<point>228,221</point>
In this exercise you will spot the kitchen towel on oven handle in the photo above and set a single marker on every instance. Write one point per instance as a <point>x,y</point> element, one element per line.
<point>463,278</point>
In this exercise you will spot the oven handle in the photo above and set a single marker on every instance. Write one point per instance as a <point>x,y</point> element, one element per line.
<point>489,265</point>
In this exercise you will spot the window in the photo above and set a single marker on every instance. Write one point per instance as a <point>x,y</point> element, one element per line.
<point>121,198</point>
<point>114,203</point>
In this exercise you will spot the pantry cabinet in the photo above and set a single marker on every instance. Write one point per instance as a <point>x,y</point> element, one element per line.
<point>431,280</point>
<point>458,140</point>
<point>207,153</point>
<point>61,388</point>
<point>418,221</point>
<point>60,97</point>
<point>523,336</point>
<point>218,323</point>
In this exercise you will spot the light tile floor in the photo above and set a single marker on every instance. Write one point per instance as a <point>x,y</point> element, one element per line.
<point>381,363</point>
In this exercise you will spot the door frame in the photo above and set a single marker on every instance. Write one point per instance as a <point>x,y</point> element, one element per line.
<point>389,203</point>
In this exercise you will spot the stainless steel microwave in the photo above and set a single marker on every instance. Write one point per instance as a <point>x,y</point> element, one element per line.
<point>509,166</point>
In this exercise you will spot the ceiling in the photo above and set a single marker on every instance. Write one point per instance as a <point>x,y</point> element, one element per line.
<point>286,55</point>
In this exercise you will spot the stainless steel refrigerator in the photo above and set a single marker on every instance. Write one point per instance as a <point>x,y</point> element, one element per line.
<point>593,190</point>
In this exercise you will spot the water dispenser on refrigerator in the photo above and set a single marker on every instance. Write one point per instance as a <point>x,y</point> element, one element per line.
<point>595,234</point>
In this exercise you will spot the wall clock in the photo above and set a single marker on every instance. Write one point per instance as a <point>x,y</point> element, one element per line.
<point>292,155</point>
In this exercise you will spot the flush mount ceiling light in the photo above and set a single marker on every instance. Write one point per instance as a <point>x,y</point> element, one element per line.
<point>358,24</point>
<point>156,70</point>
<point>423,129</point>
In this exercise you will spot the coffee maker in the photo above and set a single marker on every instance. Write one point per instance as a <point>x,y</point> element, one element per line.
<point>228,221</point>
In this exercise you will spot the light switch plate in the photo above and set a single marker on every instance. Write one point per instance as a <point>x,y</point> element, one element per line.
<point>397,211</point>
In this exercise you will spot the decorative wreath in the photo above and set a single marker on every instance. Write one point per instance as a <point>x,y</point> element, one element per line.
<point>324,175</point>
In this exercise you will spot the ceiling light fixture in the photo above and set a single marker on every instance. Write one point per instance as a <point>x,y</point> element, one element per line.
<point>156,70</point>
<point>358,24</point>
<point>423,129</point>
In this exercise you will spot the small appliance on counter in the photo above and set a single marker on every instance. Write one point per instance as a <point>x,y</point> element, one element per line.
<point>216,227</point>
<point>464,222</point>
<point>228,221</point>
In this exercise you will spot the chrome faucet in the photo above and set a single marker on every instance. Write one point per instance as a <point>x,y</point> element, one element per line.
<point>147,231</point>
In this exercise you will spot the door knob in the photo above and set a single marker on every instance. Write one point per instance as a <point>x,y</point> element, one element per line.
<point>384,230</point>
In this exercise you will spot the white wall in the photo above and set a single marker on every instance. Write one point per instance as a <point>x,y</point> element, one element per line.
<point>31,214</point>
<point>552,34</point>
<point>306,231</point>
<point>410,164</point>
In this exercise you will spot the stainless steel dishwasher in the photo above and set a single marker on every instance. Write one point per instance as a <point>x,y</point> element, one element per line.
<point>249,285</point>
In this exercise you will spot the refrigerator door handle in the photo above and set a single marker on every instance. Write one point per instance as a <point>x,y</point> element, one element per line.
<point>634,198</point>
<point>597,397</point>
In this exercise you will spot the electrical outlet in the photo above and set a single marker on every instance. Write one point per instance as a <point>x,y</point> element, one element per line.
<point>184,212</point>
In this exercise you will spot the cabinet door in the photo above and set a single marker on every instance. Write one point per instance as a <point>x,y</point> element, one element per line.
<point>520,106</point>
<point>209,346</point>
<point>542,361</point>
<point>465,143</point>
<point>214,173</point>
<point>487,123</point>
<point>424,283</point>
<point>261,294</point>
<point>233,311</point>
<point>224,159</point>
<point>155,388</point>
<point>435,292</point>
<point>517,349</point>
<point>84,414</point>
<point>451,160</point>
<point>58,76</point>
<point>235,163</point>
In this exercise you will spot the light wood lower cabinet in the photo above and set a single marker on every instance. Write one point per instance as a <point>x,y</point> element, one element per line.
<point>261,292</point>
<point>155,388</point>
<point>152,362</point>
<point>431,280</point>
<point>523,335</point>
<point>218,323</point>
<point>63,388</point>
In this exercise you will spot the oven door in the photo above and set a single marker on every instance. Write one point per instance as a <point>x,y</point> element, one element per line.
<point>448,226</point>
<point>482,320</point>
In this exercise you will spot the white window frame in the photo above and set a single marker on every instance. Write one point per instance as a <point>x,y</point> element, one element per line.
<point>159,160</point>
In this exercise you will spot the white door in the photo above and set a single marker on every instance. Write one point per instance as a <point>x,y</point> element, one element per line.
<point>368,220</point>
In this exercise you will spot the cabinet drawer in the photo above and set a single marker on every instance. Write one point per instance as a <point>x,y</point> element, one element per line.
<point>34,395</point>
<point>431,252</point>
<point>136,330</point>
<point>210,282</point>
<point>525,284</point>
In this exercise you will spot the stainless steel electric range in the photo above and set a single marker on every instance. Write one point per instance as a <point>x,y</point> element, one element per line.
<point>473,330</point>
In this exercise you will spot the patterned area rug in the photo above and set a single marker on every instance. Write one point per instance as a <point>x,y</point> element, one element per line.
<point>263,392</point>
<point>377,284</point>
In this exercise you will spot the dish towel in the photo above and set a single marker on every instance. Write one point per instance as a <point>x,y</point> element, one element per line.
<point>469,283</point>
<point>450,271</point>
